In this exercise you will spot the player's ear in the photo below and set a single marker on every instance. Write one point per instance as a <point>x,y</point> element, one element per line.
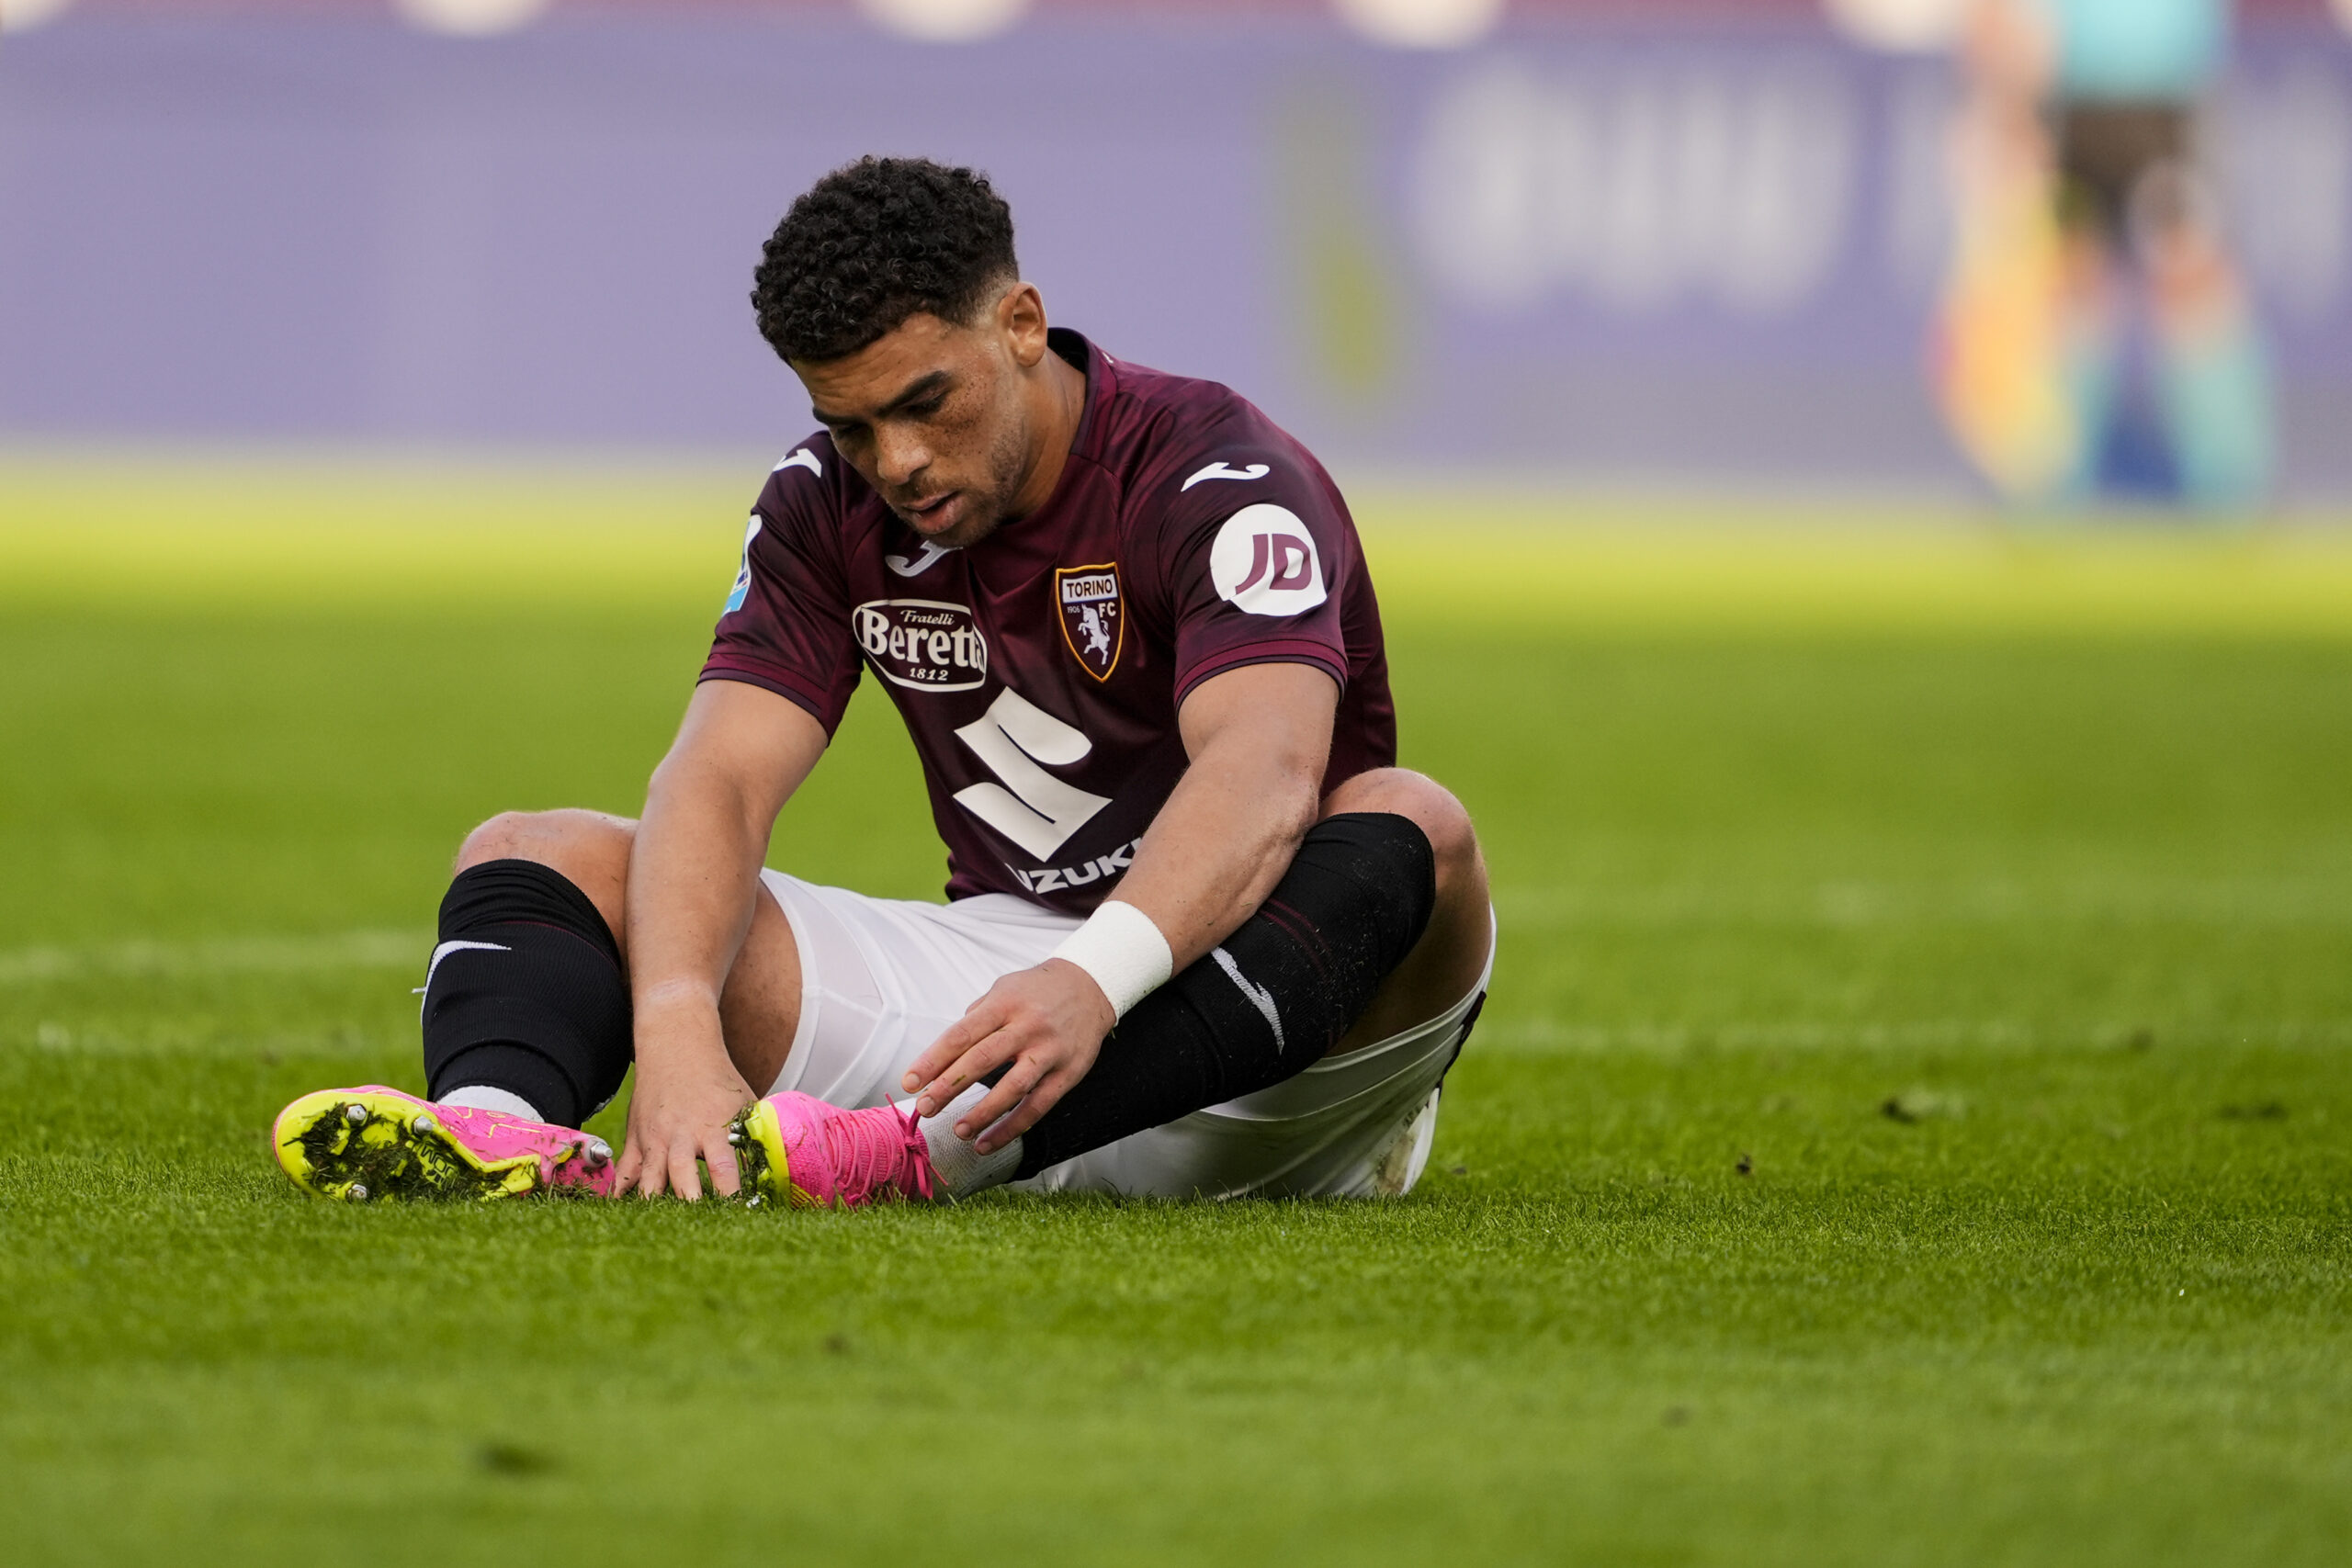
<point>1021,317</point>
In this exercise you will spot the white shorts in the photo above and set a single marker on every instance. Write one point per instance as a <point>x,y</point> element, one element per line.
<point>881,978</point>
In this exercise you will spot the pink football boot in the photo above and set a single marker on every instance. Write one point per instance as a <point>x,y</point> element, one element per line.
<point>793,1148</point>
<point>372,1143</point>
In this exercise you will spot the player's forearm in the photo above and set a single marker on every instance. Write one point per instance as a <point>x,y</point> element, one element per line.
<point>1223,840</point>
<point>738,756</point>
<point>692,878</point>
<point>1259,737</point>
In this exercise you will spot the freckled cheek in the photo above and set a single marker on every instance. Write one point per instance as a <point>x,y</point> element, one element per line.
<point>959,445</point>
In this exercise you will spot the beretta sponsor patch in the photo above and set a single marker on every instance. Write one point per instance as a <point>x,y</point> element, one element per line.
<point>923,643</point>
<point>1094,618</point>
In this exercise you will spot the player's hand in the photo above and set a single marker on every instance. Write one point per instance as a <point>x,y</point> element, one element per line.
<point>687,1092</point>
<point>1048,1022</point>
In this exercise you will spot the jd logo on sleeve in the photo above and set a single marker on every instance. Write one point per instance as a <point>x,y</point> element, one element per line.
<point>1264,561</point>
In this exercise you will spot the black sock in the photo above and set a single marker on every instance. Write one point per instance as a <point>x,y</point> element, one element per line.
<point>526,993</point>
<point>1267,1004</point>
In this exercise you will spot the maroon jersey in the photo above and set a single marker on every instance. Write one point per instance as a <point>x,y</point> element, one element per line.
<point>1039,671</point>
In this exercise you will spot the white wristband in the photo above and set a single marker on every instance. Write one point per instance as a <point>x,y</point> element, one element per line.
<point>1125,953</point>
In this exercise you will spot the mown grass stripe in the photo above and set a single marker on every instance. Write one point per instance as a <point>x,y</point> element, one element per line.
<point>236,955</point>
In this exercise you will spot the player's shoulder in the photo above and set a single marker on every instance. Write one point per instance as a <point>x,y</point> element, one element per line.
<point>1168,436</point>
<point>810,489</point>
<point>809,474</point>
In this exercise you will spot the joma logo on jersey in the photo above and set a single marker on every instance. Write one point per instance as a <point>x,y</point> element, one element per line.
<point>923,643</point>
<point>1094,622</point>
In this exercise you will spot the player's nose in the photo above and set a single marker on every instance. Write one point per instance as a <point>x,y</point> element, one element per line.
<point>900,458</point>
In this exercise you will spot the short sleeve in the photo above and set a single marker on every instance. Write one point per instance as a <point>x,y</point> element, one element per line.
<point>786,625</point>
<point>1253,550</point>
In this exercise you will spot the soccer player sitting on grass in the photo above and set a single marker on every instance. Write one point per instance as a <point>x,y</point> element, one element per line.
<point>1202,937</point>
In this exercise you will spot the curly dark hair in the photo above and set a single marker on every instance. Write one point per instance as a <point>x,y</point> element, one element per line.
<point>874,243</point>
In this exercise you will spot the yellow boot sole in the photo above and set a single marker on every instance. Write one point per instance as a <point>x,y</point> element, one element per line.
<point>359,1145</point>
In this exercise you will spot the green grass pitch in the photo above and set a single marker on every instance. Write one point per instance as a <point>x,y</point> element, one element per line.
<point>1913,1124</point>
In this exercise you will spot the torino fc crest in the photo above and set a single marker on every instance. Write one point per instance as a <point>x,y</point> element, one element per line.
<point>1094,621</point>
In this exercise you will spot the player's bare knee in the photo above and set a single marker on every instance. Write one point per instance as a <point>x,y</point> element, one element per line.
<point>506,836</point>
<point>585,846</point>
<point>1429,805</point>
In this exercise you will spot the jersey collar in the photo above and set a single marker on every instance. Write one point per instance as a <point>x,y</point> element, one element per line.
<point>1101,381</point>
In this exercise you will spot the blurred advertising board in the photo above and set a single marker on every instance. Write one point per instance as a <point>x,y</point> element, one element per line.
<point>1591,245</point>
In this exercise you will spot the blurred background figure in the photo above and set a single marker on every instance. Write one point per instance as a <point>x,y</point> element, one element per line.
<point>2095,339</point>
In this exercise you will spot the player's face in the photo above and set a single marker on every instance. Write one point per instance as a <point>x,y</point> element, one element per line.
<point>941,417</point>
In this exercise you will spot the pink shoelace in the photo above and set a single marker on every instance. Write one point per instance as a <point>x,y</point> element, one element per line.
<point>868,1152</point>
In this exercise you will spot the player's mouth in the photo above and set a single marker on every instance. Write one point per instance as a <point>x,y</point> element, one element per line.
<point>936,516</point>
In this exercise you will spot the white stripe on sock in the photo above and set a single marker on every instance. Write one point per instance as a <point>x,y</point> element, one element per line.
<point>1260,997</point>
<point>443,952</point>
<point>447,948</point>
